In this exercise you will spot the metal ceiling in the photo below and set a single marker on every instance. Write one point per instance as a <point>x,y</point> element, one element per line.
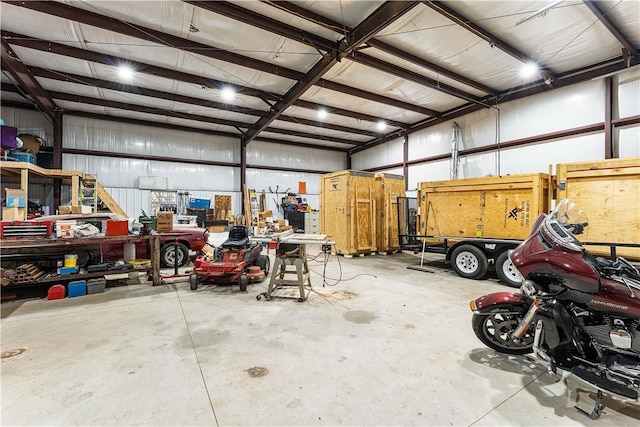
<point>407,64</point>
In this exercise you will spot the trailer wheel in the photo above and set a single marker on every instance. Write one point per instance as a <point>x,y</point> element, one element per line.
<point>193,282</point>
<point>469,261</point>
<point>244,281</point>
<point>507,271</point>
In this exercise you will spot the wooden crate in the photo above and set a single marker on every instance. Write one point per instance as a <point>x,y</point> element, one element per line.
<point>609,193</point>
<point>491,207</point>
<point>222,206</point>
<point>388,188</point>
<point>347,211</point>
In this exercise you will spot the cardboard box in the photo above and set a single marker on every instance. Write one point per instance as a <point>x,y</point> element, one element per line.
<point>75,209</point>
<point>265,214</point>
<point>81,209</point>
<point>64,228</point>
<point>14,214</point>
<point>16,198</point>
<point>164,221</point>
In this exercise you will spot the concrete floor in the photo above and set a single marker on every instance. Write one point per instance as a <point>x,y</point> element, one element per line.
<point>386,346</point>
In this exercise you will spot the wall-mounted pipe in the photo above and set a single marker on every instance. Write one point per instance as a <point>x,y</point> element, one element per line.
<point>455,146</point>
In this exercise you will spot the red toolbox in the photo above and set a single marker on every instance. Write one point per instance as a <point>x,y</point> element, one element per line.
<point>117,228</point>
<point>25,229</point>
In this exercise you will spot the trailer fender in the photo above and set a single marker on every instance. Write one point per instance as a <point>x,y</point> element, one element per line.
<point>491,248</point>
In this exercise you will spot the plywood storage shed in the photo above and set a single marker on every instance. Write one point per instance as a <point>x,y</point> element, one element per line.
<point>388,188</point>
<point>348,206</point>
<point>502,207</point>
<point>609,193</point>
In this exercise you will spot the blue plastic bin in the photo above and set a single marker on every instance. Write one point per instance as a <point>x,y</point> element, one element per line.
<point>23,157</point>
<point>199,203</point>
<point>77,288</point>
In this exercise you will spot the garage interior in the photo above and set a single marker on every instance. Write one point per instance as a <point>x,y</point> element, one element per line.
<point>368,145</point>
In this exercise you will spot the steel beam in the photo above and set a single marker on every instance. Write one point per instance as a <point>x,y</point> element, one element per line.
<point>312,136</point>
<point>339,28</point>
<point>379,19</point>
<point>347,113</point>
<point>602,17</point>
<point>21,74</point>
<point>381,65</point>
<point>493,40</point>
<point>113,61</point>
<point>265,23</point>
<point>105,84</point>
<point>110,24</point>
<point>154,36</point>
<point>565,79</point>
<point>138,90</point>
<point>149,123</point>
<point>326,125</point>
<point>299,144</point>
<point>248,17</point>
<point>110,60</point>
<point>148,110</point>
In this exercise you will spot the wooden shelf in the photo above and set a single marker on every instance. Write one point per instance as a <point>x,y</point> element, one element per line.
<point>72,277</point>
<point>28,243</point>
<point>154,252</point>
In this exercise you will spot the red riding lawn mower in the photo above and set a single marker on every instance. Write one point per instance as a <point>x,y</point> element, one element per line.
<point>238,260</point>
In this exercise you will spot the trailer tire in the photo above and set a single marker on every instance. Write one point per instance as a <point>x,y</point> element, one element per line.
<point>507,271</point>
<point>469,261</point>
<point>193,282</point>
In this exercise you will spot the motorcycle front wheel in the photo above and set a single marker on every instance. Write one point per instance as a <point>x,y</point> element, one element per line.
<point>495,329</point>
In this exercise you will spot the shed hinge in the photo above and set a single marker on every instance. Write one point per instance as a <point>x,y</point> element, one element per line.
<point>562,185</point>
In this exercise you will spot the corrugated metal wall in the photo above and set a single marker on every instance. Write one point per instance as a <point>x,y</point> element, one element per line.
<point>562,109</point>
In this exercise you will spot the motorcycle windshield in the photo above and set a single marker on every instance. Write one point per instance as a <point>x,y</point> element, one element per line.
<point>566,222</point>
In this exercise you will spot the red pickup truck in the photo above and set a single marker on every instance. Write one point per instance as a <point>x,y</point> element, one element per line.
<point>189,239</point>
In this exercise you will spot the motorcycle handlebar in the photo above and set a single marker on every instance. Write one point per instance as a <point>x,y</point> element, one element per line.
<point>577,228</point>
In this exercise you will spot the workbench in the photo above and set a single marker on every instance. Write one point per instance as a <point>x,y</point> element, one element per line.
<point>291,260</point>
<point>10,245</point>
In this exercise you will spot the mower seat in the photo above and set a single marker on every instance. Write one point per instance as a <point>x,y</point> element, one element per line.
<point>238,238</point>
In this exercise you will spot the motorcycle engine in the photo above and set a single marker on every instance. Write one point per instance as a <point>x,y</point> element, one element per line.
<point>612,332</point>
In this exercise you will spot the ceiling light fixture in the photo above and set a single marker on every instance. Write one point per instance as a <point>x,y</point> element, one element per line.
<point>322,113</point>
<point>126,73</point>
<point>228,94</point>
<point>539,13</point>
<point>382,125</point>
<point>529,70</point>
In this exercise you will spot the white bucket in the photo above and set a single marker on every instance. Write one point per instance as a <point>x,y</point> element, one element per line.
<point>129,251</point>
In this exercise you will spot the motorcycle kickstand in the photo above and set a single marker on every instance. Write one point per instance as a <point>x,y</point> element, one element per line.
<point>597,408</point>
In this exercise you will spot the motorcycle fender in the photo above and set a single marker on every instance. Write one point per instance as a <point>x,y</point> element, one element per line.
<point>488,303</point>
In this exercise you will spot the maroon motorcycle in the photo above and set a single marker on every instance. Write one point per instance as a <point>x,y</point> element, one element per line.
<point>578,312</point>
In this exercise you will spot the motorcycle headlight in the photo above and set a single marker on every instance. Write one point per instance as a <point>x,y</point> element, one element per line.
<point>529,288</point>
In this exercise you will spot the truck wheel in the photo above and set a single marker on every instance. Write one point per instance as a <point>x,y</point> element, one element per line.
<point>507,271</point>
<point>469,261</point>
<point>264,263</point>
<point>168,255</point>
<point>244,281</point>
